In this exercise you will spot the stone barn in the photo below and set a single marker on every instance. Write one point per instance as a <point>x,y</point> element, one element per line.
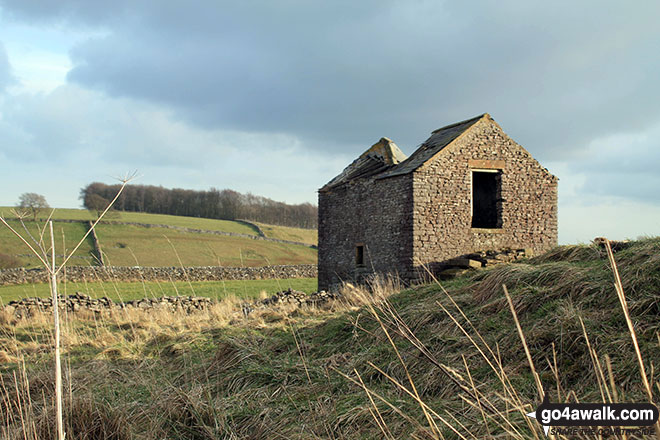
<point>468,188</point>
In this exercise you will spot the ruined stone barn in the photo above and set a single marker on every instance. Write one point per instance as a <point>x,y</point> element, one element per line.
<point>468,188</point>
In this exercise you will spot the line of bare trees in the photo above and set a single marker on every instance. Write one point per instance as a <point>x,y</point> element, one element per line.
<point>223,204</point>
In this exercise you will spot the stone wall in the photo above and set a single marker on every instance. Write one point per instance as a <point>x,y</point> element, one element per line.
<point>373,213</point>
<point>109,273</point>
<point>78,302</point>
<point>442,192</point>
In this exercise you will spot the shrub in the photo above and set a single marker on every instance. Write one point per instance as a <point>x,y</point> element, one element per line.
<point>9,261</point>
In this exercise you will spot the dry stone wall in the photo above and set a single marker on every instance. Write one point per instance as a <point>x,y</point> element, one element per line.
<point>79,302</point>
<point>109,273</point>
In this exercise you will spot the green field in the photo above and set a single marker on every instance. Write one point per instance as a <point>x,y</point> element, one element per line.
<point>308,236</point>
<point>130,245</point>
<point>67,236</point>
<point>122,291</point>
<point>152,219</point>
<point>126,245</point>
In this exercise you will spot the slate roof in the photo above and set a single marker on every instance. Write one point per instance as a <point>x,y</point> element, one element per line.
<point>439,139</point>
<point>384,159</point>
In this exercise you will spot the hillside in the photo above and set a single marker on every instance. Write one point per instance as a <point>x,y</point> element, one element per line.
<point>307,373</point>
<point>308,236</point>
<point>132,244</point>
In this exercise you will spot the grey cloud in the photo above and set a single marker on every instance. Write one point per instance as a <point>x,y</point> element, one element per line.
<point>622,166</point>
<point>346,73</point>
<point>6,77</point>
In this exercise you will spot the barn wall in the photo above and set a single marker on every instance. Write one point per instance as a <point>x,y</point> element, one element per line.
<point>375,213</point>
<point>442,198</point>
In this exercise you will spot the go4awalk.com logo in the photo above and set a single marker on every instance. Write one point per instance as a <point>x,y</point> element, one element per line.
<point>564,418</point>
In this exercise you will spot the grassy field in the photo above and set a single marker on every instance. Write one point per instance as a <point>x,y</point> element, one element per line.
<point>129,245</point>
<point>308,236</point>
<point>152,219</point>
<point>67,236</point>
<point>126,245</point>
<point>347,371</point>
<point>123,291</point>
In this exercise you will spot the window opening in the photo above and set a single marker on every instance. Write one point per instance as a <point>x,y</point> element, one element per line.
<point>486,199</point>
<point>359,255</point>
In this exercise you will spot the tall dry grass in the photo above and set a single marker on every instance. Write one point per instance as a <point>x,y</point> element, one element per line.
<point>502,412</point>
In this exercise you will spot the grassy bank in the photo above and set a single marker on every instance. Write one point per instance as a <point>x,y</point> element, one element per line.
<point>67,236</point>
<point>433,361</point>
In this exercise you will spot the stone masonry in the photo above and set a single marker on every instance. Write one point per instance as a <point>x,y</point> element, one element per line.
<point>409,214</point>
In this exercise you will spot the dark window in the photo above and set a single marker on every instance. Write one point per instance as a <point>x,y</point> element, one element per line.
<point>359,255</point>
<point>486,199</point>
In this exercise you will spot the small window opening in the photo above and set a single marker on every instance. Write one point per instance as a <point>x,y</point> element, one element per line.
<point>486,199</point>
<point>359,255</point>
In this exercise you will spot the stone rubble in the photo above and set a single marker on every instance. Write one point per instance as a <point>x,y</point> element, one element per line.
<point>293,297</point>
<point>73,303</point>
<point>458,266</point>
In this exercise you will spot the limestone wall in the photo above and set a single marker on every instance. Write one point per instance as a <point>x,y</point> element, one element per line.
<point>211,273</point>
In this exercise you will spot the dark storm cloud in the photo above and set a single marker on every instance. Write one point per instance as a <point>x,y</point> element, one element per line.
<point>554,75</point>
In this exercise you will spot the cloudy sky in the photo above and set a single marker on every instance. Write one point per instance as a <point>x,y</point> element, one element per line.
<point>276,98</point>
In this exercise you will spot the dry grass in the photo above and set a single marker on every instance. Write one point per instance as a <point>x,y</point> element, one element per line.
<point>497,409</point>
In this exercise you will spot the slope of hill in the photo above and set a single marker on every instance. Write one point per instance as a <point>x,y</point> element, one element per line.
<point>307,236</point>
<point>130,245</point>
<point>67,235</point>
<point>152,219</point>
<point>347,371</point>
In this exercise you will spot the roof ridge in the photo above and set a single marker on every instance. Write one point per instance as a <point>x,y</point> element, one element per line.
<point>461,122</point>
<point>439,139</point>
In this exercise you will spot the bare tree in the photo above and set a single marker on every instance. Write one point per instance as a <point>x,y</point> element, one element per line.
<point>32,203</point>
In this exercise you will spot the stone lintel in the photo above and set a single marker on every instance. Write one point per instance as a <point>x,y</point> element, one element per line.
<point>486,164</point>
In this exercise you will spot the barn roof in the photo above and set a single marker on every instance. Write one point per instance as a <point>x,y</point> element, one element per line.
<point>380,157</point>
<point>384,159</point>
<point>439,139</point>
